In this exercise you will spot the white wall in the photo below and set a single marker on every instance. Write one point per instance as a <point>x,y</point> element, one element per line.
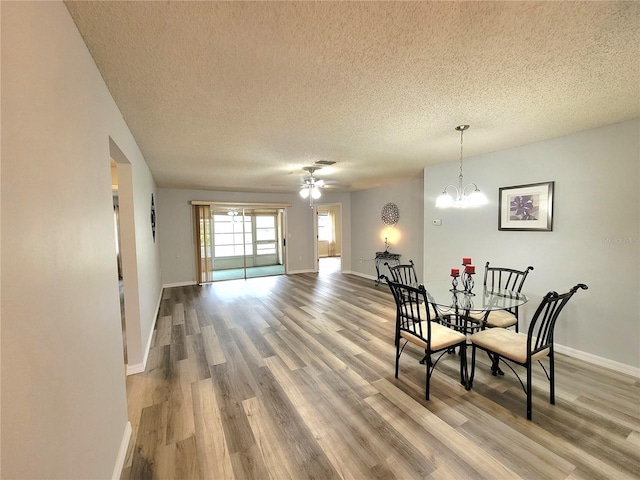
<point>595,238</point>
<point>175,229</point>
<point>367,229</point>
<point>64,412</point>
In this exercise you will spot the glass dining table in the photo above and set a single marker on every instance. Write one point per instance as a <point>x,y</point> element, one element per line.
<point>467,312</point>
<point>476,304</point>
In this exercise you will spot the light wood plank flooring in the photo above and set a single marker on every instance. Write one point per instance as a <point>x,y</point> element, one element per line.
<point>292,377</point>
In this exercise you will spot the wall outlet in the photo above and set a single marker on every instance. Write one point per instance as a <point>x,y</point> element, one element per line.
<point>360,259</point>
<point>437,222</point>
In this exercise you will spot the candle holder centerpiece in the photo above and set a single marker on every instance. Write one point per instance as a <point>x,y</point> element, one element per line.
<point>467,276</point>
<point>455,273</point>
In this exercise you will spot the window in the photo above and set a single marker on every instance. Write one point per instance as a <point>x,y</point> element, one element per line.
<point>230,238</point>
<point>265,235</point>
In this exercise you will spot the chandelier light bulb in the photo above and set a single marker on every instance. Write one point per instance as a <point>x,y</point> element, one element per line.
<point>444,200</point>
<point>477,198</point>
<point>304,193</point>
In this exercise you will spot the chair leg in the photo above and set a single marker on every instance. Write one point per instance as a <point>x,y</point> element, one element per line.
<point>495,364</point>
<point>473,367</point>
<point>464,368</point>
<point>428,376</point>
<point>529,390</point>
<point>552,379</point>
<point>397,356</point>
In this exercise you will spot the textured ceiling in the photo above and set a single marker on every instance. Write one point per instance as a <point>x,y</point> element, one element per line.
<point>241,95</point>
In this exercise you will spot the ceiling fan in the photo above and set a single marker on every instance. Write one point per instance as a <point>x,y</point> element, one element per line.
<point>311,185</point>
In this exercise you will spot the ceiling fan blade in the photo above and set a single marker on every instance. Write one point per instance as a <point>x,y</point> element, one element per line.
<point>337,185</point>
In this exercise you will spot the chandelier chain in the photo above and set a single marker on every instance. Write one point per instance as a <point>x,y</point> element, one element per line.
<point>461,134</point>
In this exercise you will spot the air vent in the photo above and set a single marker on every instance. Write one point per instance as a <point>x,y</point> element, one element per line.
<point>324,162</point>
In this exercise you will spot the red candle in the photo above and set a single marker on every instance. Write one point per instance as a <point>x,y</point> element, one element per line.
<point>466,260</point>
<point>455,272</point>
<point>470,269</point>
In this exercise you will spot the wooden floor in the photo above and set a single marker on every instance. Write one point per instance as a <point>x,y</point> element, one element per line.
<point>292,377</point>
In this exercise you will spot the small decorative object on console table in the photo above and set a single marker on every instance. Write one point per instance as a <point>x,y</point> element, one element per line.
<point>382,257</point>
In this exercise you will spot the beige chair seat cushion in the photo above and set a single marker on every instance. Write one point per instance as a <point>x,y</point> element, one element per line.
<point>441,336</point>
<point>506,343</point>
<point>496,318</point>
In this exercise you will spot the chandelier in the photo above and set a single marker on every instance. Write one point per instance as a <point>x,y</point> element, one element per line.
<point>461,200</point>
<point>310,188</point>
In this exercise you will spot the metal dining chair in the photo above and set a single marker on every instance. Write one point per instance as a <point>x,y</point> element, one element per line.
<point>406,275</point>
<point>502,344</point>
<point>498,278</point>
<point>415,324</point>
<point>403,273</point>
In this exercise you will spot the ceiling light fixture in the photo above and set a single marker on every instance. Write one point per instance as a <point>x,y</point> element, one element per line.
<point>311,186</point>
<point>475,199</point>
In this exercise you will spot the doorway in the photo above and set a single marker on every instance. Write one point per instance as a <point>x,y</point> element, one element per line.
<point>328,246</point>
<point>246,242</point>
<point>129,300</point>
<point>116,222</point>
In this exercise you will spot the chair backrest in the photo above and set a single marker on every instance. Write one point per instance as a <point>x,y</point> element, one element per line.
<point>405,274</point>
<point>505,278</point>
<point>540,335</point>
<point>502,277</point>
<point>412,314</point>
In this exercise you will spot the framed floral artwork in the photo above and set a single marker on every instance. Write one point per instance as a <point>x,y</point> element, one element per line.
<point>526,207</point>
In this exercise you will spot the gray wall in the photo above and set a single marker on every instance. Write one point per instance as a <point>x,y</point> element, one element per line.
<point>64,411</point>
<point>175,229</point>
<point>595,238</point>
<point>367,229</point>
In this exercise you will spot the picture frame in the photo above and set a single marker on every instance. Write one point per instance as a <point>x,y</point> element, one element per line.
<point>526,208</point>
<point>153,219</point>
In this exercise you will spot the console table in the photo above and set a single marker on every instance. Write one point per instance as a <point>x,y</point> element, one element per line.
<point>381,258</point>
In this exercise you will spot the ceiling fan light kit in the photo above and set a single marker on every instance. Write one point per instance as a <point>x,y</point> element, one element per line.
<point>311,185</point>
<point>461,200</point>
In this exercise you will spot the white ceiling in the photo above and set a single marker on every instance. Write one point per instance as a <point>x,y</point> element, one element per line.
<point>241,95</point>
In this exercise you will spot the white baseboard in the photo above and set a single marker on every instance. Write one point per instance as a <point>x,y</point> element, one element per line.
<point>363,275</point>
<point>294,272</point>
<point>600,361</point>
<point>140,367</point>
<point>122,452</point>
<point>179,284</point>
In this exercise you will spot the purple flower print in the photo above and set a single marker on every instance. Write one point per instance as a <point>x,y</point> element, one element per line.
<point>522,207</point>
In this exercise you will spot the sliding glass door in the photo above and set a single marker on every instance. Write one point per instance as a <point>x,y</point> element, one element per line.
<point>246,242</point>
